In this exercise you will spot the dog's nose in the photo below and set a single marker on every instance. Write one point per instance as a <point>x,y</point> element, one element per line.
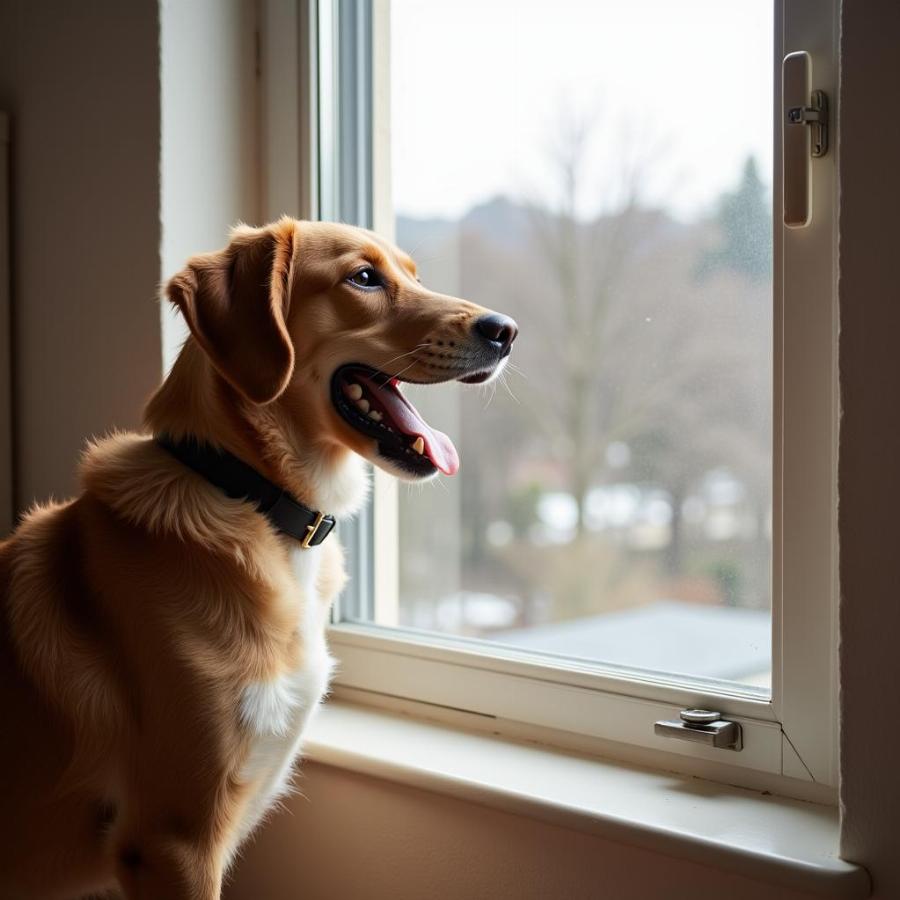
<point>500,330</point>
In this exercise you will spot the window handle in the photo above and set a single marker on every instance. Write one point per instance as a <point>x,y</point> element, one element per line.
<point>804,135</point>
<point>703,726</point>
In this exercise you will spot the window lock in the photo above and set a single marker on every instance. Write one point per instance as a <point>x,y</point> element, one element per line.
<point>816,116</point>
<point>703,726</point>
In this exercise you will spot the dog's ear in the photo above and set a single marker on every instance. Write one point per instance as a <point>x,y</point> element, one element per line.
<point>235,304</point>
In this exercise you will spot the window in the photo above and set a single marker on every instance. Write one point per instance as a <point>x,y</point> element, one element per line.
<point>644,516</point>
<point>615,498</point>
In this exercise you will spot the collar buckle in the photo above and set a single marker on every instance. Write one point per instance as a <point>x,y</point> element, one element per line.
<point>311,530</point>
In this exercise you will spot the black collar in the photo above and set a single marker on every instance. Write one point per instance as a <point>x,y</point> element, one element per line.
<point>241,482</point>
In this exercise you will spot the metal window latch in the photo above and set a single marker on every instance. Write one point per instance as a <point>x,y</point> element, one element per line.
<point>703,726</point>
<point>816,116</point>
<point>804,136</point>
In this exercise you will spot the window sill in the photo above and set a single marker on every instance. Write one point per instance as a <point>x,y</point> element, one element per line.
<point>767,838</point>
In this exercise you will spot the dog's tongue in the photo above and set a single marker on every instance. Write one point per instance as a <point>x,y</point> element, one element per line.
<point>438,447</point>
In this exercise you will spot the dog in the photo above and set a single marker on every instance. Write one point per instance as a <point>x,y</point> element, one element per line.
<point>162,637</point>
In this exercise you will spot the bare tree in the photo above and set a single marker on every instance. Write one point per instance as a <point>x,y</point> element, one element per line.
<point>636,347</point>
<point>627,337</point>
<point>587,393</point>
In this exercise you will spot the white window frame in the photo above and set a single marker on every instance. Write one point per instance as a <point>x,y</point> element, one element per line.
<point>790,740</point>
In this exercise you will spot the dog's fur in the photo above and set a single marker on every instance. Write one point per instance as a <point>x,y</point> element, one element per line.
<point>161,645</point>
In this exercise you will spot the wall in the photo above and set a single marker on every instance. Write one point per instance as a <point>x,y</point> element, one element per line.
<point>350,837</point>
<point>81,84</point>
<point>123,115</point>
<point>209,167</point>
<point>868,484</point>
<point>6,464</point>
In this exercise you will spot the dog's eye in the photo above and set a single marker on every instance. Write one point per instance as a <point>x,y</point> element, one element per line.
<point>366,278</point>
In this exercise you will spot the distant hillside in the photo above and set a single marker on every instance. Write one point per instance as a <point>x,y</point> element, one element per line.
<point>511,226</point>
<point>506,222</point>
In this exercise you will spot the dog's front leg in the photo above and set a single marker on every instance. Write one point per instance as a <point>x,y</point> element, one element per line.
<point>177,814</point>
<point>167,867</point>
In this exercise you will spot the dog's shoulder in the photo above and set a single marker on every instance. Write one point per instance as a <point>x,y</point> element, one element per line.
<point>144,485</point>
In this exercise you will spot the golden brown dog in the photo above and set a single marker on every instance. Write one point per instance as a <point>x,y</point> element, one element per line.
<point>162,644</point>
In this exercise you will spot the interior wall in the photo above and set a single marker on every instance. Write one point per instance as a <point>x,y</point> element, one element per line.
<point>868,485</point>
<point>210,123</point>
<point>81,84</point>
<point>123,116</point>
<point>352,837</point>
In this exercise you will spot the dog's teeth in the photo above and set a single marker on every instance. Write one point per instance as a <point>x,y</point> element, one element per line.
<point>419,444</point>
<point>353,391</point>
<point>375,416</point>
<point>362,405</point>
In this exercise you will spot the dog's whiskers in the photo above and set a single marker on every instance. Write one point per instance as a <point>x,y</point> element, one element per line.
<point>516,369</point>
<point>505,383</point>
<point>385,377</point>
<point>488,390</point>
<point>398,374</point>
<point>383,366</point>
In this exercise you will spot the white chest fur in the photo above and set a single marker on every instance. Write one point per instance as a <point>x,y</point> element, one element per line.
<point>275,713</point>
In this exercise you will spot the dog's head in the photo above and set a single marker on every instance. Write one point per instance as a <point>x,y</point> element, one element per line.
<point>323,322</point>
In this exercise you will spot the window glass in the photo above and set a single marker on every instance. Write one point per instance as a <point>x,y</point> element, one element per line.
<point>602,172</point>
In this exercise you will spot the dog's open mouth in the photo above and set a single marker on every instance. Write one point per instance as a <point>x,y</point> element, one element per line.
<point>371,402</point>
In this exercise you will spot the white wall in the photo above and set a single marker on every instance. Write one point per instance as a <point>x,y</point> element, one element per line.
<point>868,483</point>
<point>81,84</point>
<point>209,168</point>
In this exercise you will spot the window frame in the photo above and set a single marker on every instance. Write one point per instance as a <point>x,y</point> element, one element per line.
<point>790,738</point>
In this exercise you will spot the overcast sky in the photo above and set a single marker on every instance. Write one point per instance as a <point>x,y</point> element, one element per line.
<point>479,88</point>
